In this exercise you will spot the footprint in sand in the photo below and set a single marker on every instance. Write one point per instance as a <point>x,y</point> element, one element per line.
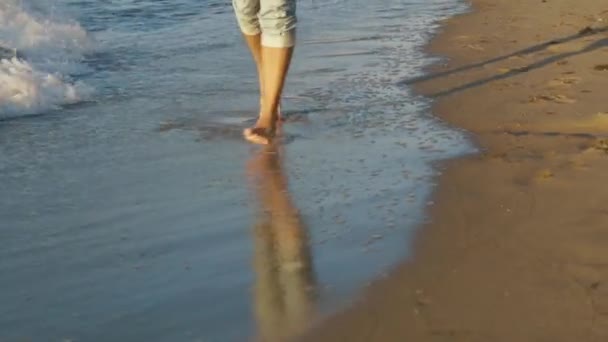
<point>557,98</point>
<point>544,174</point>
<point>602,145</point>
<point>564,81</point>
<point>513,70</point>
<point>475,47</point>
<point>601,67</point>
<point>588,126</point>
<point>594,123</point>
<point>473,42</point>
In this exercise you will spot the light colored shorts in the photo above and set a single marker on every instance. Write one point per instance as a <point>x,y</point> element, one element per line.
<point>274,19</point>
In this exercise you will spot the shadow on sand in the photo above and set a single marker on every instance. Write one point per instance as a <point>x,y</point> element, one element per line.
<point>586,32</point>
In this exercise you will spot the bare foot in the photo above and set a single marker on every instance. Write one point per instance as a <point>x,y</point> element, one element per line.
<point>258,135</point>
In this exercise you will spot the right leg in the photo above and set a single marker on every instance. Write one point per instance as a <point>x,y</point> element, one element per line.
<point>278,22</point>
<point>254,42</point>
<point>247,16</point>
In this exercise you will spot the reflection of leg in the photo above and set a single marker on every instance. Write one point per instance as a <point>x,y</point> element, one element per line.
<point>296,273</point>
<point>291,247</point>
<point>277,20</point>
<point>268,302</point>
<point>269,309</point>
<point>291,260</point>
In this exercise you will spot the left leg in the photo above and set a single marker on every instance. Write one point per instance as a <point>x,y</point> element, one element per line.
<point>277,21</point>
<point>247,16</point>
<point>254,42</point>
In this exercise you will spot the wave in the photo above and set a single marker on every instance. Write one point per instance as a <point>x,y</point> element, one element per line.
<point>38,53</point>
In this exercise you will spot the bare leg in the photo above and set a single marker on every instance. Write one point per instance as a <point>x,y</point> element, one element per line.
<point>254,42</point>
<point>275,64</point>
<point>255,47</point>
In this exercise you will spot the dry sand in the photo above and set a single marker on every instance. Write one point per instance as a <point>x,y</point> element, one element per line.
<point>517,249</point>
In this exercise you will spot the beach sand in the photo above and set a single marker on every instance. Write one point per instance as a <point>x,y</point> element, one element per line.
<point>516,247</point>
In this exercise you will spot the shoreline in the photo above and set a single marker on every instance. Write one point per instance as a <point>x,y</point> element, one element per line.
<point>515,246</point>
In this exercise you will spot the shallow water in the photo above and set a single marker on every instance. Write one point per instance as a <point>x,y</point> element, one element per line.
<point>130,209</point>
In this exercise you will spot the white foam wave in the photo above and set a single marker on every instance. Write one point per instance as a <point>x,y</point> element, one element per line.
<point>52,50</point>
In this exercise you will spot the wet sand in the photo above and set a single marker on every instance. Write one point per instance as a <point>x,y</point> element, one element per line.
<point>128,217</point>
<point>516,246</point>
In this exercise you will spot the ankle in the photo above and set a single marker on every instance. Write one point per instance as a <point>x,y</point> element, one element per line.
<point>266,122</point>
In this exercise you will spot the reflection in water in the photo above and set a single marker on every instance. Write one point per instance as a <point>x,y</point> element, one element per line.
<point>284,286</point>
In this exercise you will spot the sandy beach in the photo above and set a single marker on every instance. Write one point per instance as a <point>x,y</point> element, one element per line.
<point>516,246</point>
<point>131,208</point>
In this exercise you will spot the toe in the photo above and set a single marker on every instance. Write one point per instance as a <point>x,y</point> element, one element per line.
<point>256,136</point>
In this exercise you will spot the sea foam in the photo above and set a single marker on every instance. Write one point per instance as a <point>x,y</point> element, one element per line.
<point>46,50</point>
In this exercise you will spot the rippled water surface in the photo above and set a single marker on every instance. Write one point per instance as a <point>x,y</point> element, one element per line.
<point>130,209</point>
